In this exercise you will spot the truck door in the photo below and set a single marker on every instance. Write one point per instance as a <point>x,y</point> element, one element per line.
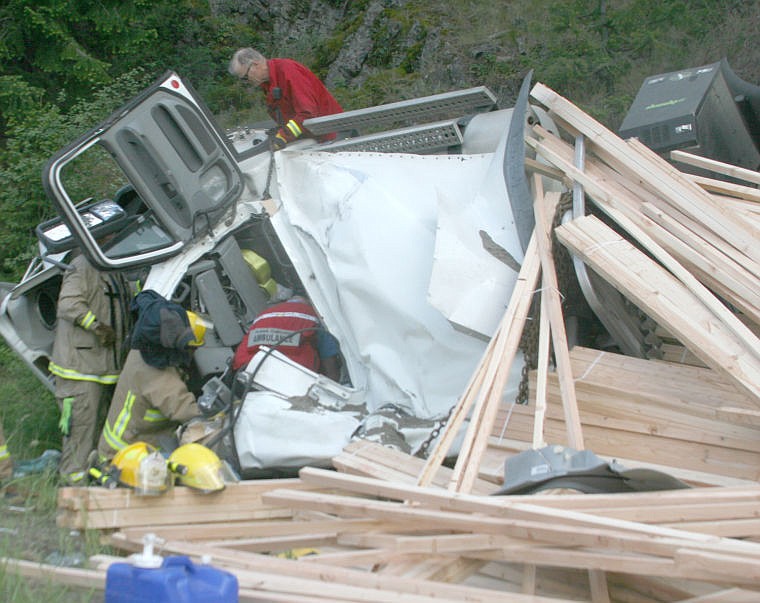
<point>136,189</point>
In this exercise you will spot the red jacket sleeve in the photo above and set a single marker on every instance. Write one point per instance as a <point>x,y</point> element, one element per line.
<point>302,96</point>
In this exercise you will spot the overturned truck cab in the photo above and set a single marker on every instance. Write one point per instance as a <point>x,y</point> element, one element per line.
<point>407,235</point>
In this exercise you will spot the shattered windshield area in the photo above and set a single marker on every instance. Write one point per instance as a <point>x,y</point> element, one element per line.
<point>116,216</point>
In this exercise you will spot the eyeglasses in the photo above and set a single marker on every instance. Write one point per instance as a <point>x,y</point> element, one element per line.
<point>244,77</point>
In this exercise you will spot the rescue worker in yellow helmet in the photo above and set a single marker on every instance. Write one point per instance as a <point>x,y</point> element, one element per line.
<point>151,397</point>
<point>87,357</point>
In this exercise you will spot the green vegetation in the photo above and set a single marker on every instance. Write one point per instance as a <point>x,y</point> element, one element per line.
<point>28,411</point>
<point>28,505</point>
<point>66,65</point>
<point>27,520</point>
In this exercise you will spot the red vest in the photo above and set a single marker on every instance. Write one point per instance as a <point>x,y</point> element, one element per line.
<point>271,328</point>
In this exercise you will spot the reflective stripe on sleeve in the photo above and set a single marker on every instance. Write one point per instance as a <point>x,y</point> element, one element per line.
<point>294,128</point>
<point>300,315</point>
<point>153,415</point>
<point>88,320</point>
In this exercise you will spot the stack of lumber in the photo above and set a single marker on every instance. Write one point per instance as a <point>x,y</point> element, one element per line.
<point>688,421</point>
<point>378,540</point>
<point>387,526</point>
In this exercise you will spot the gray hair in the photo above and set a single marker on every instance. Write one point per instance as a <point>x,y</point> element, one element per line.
<point>243,58</point>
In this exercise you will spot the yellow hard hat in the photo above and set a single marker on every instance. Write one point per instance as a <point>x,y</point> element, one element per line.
<point>197,467</point>
<point>199,325</point>
<point>142,467</point>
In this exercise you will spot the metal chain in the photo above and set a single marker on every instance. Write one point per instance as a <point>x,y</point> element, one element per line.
<point>422,451</point>
<point>529,339</point>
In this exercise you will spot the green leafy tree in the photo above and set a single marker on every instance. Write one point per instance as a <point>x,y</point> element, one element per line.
<point>33,135</point>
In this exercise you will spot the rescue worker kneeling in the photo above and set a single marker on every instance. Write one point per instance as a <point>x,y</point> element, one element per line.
<point>151,398</point>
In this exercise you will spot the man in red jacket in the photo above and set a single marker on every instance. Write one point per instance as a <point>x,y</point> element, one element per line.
<point>293,93</point>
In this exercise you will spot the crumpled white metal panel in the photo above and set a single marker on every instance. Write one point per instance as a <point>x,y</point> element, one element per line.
<point>272,432</point>
<point>361,229</point>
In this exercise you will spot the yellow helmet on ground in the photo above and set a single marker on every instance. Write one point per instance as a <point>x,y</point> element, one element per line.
<point>197,466</point>
<point>142,467</point>
<point>199,325</point>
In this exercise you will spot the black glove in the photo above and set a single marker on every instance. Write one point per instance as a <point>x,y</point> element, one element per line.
<point>105,334</point>
<point>278,142</point>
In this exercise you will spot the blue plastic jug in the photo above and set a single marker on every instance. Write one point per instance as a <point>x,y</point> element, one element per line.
<point>149,578</point>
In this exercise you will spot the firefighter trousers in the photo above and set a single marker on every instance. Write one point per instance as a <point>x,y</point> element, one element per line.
<point>79,402</point>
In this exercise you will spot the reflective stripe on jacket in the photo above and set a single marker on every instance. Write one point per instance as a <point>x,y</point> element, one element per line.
<point>301,96</point>
<point>282,326</point>
<point>87,298</point>
<point>146,399</point>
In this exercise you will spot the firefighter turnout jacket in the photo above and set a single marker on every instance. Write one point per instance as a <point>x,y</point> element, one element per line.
<point>147,401</point>
<point>293,94</point>
<point>89,298</point>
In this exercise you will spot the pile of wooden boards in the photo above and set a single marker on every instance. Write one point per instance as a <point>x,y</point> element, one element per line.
<point>372,534</point>
<point>386,526</point>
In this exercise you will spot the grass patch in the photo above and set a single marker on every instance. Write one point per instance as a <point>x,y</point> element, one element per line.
<point>28,504</point>
<point>28,410</point>
<point>28,531</point>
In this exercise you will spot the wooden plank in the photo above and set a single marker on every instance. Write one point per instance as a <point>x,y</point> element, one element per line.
<point>657,378</point>
<point>731,193</point>
<point>542,370</point>
<point>718,167</point>
<point>650,169</point>
<point>501,447</point>
<point>615,201</point>
<point>611,503</point>
<point>742,281</point>
<point>598,582</point>
<point>552,581</point>
<point>245,492</point>
<point>610,539</point>
<point>606,561</point>
<point>363,457</point>
<point>477,509</point>
<point>609,405</point>
<point>728,528</point>
<point>664,298</point>
<point>643,448</point>
<point>694,561</point>
<point>740,416</point>
<point>544,169</point>
<point>675,352</point>
<point>717,269</point>
<point>257,570</point>
<point>543,208</point>
<point>729,595</point>
<point>705,208</point>
<point>643,188</point>
<point>240,531</point>
<point>70,576</point>
<point>117,518</point>
<point>490,376</point>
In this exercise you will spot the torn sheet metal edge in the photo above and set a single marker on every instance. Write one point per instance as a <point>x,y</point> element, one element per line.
<point>360,229</point>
